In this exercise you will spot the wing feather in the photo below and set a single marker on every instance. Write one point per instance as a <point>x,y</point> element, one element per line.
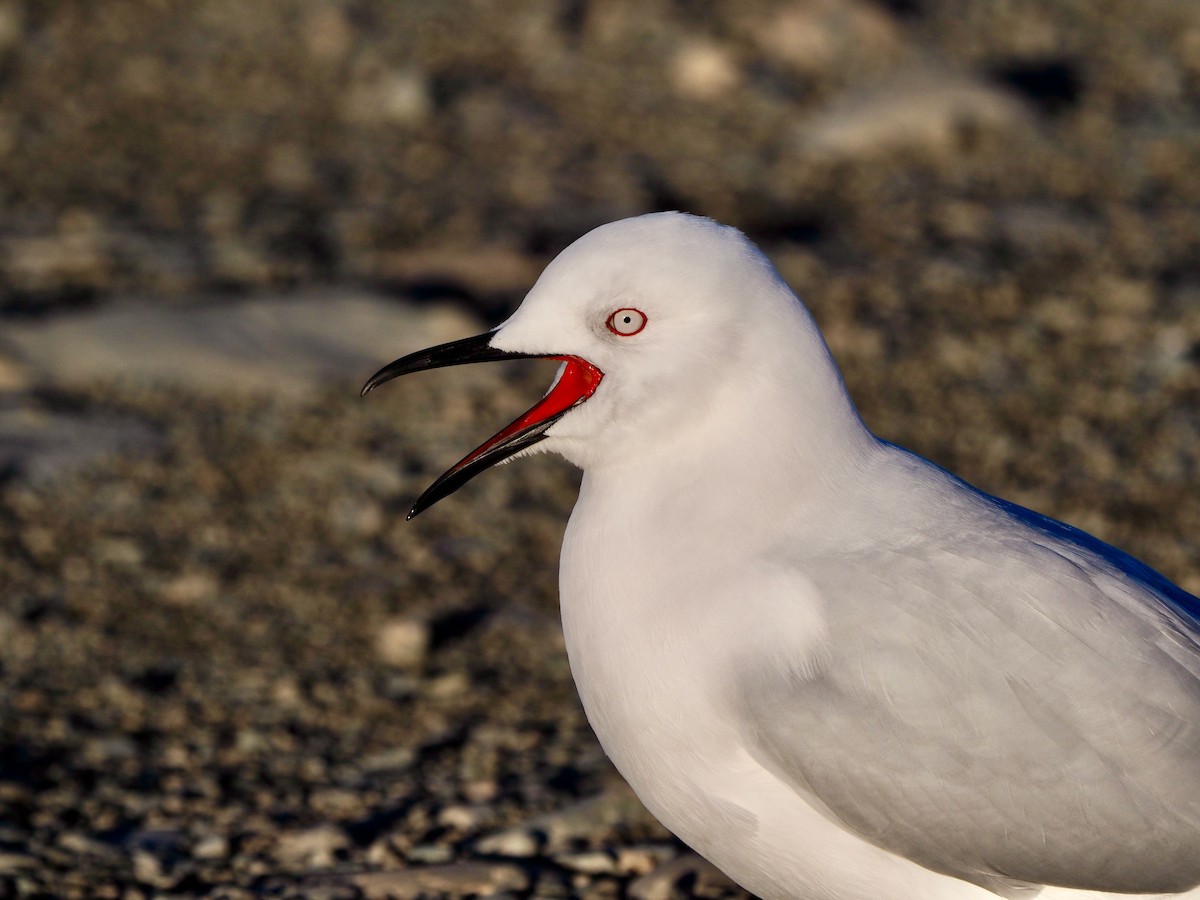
<point>1008,706</point>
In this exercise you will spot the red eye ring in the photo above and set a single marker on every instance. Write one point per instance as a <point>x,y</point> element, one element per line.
<point>626,322</point>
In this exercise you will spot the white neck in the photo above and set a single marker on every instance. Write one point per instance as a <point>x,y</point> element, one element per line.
<point>779,436</point>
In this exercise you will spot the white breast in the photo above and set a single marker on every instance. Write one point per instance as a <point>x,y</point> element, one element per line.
<point>654,679</point>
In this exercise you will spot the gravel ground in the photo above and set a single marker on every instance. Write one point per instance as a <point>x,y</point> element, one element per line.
<point>169,146</point>
<point>229,668</point>
<point>233,662</point>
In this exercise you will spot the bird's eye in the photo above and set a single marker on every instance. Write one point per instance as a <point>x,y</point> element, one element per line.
<point>626,322</point>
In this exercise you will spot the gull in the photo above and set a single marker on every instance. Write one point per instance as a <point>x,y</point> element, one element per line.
<point>833,669</point>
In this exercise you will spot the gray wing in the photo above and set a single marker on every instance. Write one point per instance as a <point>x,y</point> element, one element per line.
<point>1025,713</point>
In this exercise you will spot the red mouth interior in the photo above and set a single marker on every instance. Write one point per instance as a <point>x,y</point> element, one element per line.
<point>578,381</point>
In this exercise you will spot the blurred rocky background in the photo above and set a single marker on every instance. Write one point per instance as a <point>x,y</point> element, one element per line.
<point>228,668</point>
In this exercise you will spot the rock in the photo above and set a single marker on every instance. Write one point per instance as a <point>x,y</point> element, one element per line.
<point>595,862</point>
<point>483,271</point>
<point>403,642</point>
<point>84,845</point>
<point>481,790</point>
<point>46,263</point>
<point>448,686</point>
<point>147,867</point>
<point>190,588</point>
<point>14,863</point>
<point>161,843</point>
<point>663,882</point>
<point>1044,230</point>
<point>399,96</point>
<point>157,855</point>
<point>395,760</point>
<point>919,111</point>
<point>1126,296</point>
<point>415,882</point>
<point>119,553</point>
<point>289,345</point>
<point>12,26</point>
<point>559,829</point>
<point>211,847</point>
<point>618,805</point>
<point>312,848</point>
<point>10,627</point>
<point>41,446</point>
<point>514,842</point>
<point>315,892</point>
<point>703,70</point>
<point>819,35</point>
<point>426,854</point>
<point>357,516</point>
<point>13,376</point>
<point>462,818</point>
<point>454,879</point>
<point>108,750</point>
<point>288,168</point>
<point>328,34</point>
<point>643,858</point>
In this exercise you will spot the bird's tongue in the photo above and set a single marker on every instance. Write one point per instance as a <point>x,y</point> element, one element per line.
<point>578,381</point>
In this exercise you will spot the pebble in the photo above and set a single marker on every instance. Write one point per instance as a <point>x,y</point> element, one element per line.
<point>401,97</point>
<point>312,848</point>
<point>403,642</point>
<point>429,853</point>
<point>12,863</point>
<point>42,446</point>
<point>463,818</point>
<point>662,883</point>
<point>516,843</point>
<point>616,806</point>
<point>397,685</point>
<point>357,517</point>
<point>448,686</point>
<point>397,759</point>
<point>119,552</point>
<point>915,111</point>
<point>643,859</point>
<point>105,750</point>
<point>280,346</point>
<point>481,790</point>
<point>703,70</point>
<point>594,862</point>
<point>190,588</point>
<point>147,867</point>
<point>323,892</point>
<point>485,270</point>
<point>211,846</point>
<point>812,38</point>
<point>13,376</point>
<point>455,879</point>
<point>159,842</point>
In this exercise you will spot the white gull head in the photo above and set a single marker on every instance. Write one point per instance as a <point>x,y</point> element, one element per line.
<point>706,326</point>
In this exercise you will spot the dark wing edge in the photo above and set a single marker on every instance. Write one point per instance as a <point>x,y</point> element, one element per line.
<point>1185,606</point>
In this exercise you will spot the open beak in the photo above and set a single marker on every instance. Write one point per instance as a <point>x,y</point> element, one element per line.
<point>578,381</point>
